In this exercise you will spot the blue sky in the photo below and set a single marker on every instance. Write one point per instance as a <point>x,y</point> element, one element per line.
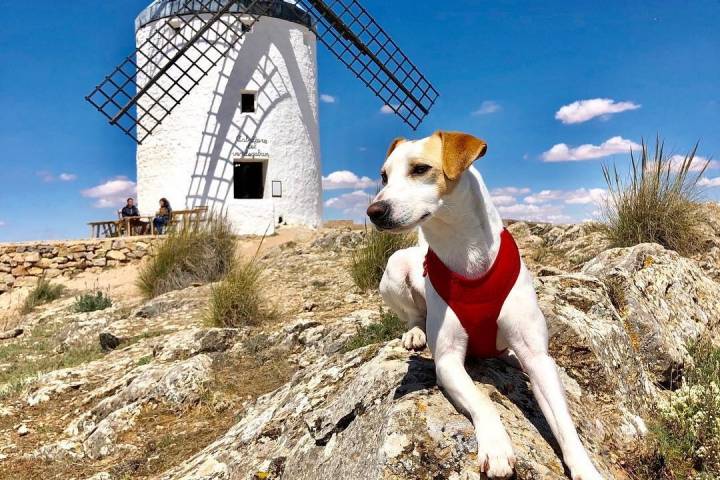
<point>504,70</point>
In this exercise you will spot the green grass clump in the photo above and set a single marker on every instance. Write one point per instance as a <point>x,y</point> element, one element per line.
<point>656,203</point>
<point>196,254</point>
<point>44,292</point>
<point>388,328</point>
<point>684,438</point>
<point>237,301</point>
<point>92,302</point>
<point>369,261</point>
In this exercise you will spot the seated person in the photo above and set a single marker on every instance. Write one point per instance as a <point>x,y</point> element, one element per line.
<point>131,211</point>
<point>162,218</point>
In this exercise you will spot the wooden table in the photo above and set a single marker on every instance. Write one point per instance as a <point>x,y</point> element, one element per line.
<point>116,228</point>
<point>140,219</point>
<point>108,228</point>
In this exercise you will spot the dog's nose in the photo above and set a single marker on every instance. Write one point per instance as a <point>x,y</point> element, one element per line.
<point>378,210</point>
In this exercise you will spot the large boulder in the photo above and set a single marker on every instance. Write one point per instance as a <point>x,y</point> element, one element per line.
<point>665,302</point>
<point>589,339</point>
<point>377,413</point>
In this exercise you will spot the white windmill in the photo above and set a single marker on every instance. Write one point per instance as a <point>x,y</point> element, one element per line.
<point>221,97</point>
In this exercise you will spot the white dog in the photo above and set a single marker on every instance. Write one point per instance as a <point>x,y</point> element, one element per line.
<point>431,184</point>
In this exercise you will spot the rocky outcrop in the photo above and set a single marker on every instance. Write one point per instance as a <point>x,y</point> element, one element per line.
<point>377,413</point>
<point>21,264</point>
<point>665,301</point>
<point>620,322</point>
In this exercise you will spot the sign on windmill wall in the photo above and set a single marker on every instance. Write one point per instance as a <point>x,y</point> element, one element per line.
<point>251,148</point>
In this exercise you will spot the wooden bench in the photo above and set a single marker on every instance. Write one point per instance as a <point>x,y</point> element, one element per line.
<point>188,218</point>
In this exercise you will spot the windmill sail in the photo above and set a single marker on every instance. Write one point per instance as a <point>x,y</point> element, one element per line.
<point>359,42</point>
<point>145,88</point>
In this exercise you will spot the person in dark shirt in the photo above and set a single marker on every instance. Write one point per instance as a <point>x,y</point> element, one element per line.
<point>131,211</point>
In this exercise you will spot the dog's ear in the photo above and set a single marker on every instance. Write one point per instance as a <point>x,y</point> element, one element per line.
<point>394,144</point>
<point>459,151</point>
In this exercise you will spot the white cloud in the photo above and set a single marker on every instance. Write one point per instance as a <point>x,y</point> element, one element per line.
<point>510,191</point>
<point>503,200</point>
<point>538,213</point>
<point>584,196</point>
<point>111,194</point>
<point>698,163</point>
<point>346,179</point>
<point>48,177</point>
<point>584,110</point>
<point>487,107</point>
<point>387,109</point>
<point>563,153</point>
<point>581,196</point>
<point>2,224</point>
<point>709,182</point>
<point>325,98</point>
<point>505,196</point>
<point>353,204</point>
<point>554,206</point>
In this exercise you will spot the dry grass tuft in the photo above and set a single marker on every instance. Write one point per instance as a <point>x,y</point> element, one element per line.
<point>656,203</point>
<point>369,261</point>
<point>238,300</point>
<point>44,292</point>
<point>196,254</point>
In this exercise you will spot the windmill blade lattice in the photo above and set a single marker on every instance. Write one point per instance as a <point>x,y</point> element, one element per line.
<point>145,88</point>
<point>359,42</point>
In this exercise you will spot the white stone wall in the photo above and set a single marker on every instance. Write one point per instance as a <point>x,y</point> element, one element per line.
<point>189,158</point>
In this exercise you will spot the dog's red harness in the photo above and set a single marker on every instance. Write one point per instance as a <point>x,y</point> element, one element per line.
<point>477,302</point>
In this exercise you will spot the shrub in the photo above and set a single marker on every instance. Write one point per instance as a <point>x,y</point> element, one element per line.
<point>684,440</point>
<point>196,254</point>
<point>388,328</point>
<point>92,302</point>
<point>656,203</point>
<point>237,301</point>
<point>369,261</point>
<point>44,292</point>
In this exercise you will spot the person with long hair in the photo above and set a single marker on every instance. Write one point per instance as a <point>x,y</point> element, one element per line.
<point>162,218</point>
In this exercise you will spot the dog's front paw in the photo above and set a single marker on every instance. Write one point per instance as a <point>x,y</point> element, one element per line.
<point>414,339</point>
<point>495,455</point>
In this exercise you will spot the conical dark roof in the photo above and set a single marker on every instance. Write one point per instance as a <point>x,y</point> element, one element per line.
<point>169,8</point>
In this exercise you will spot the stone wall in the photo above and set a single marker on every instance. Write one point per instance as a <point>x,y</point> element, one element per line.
<point>21,264</point>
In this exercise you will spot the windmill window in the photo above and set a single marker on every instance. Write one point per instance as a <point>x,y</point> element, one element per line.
<point>247,103</point>
<point>249,180</point>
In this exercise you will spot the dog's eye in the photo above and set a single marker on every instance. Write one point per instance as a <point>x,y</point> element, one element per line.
<point>420,169</point>
<point>383,177</point>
